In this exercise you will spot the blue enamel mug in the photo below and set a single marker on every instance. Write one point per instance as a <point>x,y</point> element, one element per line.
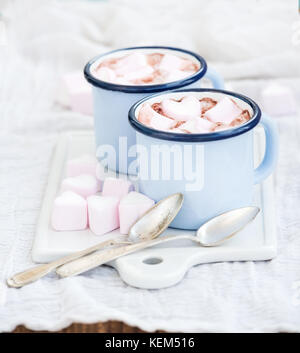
<point>112,102</point>
<point>215,171</point>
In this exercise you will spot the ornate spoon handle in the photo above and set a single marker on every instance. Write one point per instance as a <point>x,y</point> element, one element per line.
<point>22,278</point>
<point>86,263</point>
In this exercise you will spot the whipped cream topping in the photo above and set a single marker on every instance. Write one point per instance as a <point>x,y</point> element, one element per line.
<point>191,115</point>
<point>139,68</point>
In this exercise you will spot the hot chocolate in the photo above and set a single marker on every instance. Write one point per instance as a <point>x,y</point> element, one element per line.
<point>139,68</point>
<point>192,115</point>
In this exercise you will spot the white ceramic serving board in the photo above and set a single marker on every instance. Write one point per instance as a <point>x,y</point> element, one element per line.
<point>166,264</point>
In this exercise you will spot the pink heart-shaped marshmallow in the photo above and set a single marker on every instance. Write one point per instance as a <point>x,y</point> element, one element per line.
<point>84,185</point>
<point>69,212</point>
<point>225,111</point>
<point>188,108</point>
<point>131,207</point>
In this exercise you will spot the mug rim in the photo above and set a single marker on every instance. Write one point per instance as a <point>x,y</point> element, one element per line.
<point>212,136</point>
<point>146,88</point>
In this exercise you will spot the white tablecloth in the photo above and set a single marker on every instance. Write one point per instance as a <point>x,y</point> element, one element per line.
<point>262,296</point>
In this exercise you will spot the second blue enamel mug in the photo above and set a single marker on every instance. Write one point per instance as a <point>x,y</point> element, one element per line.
<point>112,102</point>
<point>215,171</point>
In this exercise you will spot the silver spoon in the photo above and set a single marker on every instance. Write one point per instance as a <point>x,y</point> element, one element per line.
<point>214,232</point>
<point>161,215</point>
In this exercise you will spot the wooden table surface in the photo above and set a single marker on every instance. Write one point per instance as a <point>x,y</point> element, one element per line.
<point>106,327</point>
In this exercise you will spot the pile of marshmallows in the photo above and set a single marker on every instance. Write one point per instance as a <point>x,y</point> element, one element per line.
<point>192,115</point>
<point>80,205</point>
<point>138,68</point>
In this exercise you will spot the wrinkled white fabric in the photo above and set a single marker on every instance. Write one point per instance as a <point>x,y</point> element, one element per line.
<point>243,40</point>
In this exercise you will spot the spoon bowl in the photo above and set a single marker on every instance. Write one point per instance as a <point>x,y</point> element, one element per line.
<point>156,220</point>
<point>223,227</point>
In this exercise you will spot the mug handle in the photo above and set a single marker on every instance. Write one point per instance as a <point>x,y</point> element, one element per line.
<point>272,148</point>
<point>215,78</point>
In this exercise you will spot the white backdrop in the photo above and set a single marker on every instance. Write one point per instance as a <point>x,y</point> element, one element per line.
<point>243,38</point>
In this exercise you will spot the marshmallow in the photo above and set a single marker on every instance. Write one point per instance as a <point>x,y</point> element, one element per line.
<point>177,75</point>
<point>69,212</point>
<point>133,67</point>
<point>143,73</point>
<point>188,108</point>
<point>131,63</point>
<point>103,214</point>
<point>161,122</point>
<point>225,111</point>
<point>189,66</point>
<point>84,185</point>
<point>207,103</point>
<point>189,126</point>
<point>85,164</point>
<point>154,59</point>
<point>204,125</point>
<point>241,119</point>
<point>197,126</point>
<point>131,208</point>
<point>145,114</point>
<point>150,117</point>
<point>116,187</point>
<point>171,62</point>
<point>278,100</point>
<point>76,93</point>
<point>105,74</point>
